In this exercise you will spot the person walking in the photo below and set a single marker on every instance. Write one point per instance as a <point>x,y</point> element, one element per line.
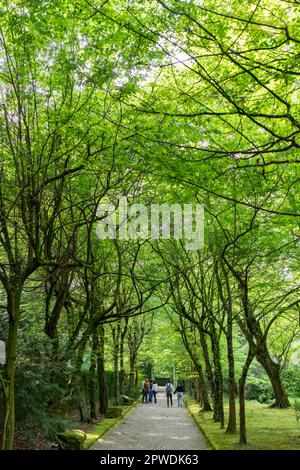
<point>154,390</point>
<point>169,391</point>
<point>179,390</point>
<point>145,391</point>
<point>150,391</point>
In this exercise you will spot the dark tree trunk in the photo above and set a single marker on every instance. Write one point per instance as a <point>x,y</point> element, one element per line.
<point>242,383</point>
<point>58,286</point>
<point>77,385</point>
<point>116,350</point>
<point>52,321</point>
<point>136,377</point>
<point>202,388</point>
<point>103,401</point>
<point>201,385</point>
<point>273,371</point>
<point>8,425</point>
<point>132,361</point>
<point>253,331</point>
<point>218,415</point>
<point>227,305</point>
<point>122,368</point>
<point>200,393</point>
<point>231,426</point>
<point>92,377</point>
<point>208,368</point>
<point>205,400</point>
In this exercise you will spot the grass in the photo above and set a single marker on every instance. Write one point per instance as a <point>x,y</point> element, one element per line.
<point>100,428</point>
<point>267,428</point>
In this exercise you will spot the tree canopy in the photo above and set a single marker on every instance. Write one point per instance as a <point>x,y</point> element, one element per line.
<point>162,102</point>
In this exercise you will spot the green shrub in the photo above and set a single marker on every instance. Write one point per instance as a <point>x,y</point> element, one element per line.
<point>291,380</point>
<point>259,389</point>
<point>297,409</point>
<point>40,388</point>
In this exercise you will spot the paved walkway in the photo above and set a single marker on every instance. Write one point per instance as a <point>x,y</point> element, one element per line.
<point>154,427</point>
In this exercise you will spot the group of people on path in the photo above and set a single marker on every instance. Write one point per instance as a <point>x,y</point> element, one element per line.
<point>149,392</point>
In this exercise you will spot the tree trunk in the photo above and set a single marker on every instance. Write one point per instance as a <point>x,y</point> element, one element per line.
<point>122,372</point>
<point>77,384</point>
<point>273,371</point>
<point>50,328</point>
<point>8,425</point>
<point>132,361</point>
<point>103,401</point>
<point>116,350</point>
<point>208,368</point>
<point>136,376</point>
<point>231,426</point>
<point>92,381</point>
<point>242,383</point>
<point>227,305</point>
<point>201,384</point>
<point>205,400</point>
<point>218,415</point>
<point>253,331</point>
<point>122,368</point>
<point>199,394</point>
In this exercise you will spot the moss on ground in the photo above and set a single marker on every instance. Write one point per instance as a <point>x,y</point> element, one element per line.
<point>97,431</point>
<point>71,439</point>
<point>267,428</point>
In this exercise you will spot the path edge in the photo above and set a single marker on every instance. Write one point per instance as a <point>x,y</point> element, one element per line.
<point>114,422</point>
<point>210,445</point>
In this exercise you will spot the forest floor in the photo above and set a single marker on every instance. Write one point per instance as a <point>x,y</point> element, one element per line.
<point>40,440</point>
<point>267,428</point>
<point>154,427</point>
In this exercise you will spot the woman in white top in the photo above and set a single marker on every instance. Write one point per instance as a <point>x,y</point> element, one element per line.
<point>154,390</point>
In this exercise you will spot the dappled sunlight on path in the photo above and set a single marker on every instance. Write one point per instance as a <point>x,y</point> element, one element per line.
<point>154,427</point>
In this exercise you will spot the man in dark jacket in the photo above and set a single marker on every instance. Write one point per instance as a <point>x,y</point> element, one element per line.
<point>169,391</point>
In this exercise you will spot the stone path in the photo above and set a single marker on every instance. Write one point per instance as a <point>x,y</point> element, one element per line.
<point>154,427</point>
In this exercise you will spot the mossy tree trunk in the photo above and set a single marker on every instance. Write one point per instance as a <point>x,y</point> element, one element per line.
<point>132,365</point>
<point>208,367</point>
<point>255,336</point>
<point>202,388</point>
<point>57,287</point>
<point>242,383</point>
<point>77,382</point>
<point>122,367</point>
<point>103,400</point>
<point>135,335</point>
<point>116,351</point>
<point>218,414</point>
<point>273,371</point>
<point>224,289</point>
<point>92,377</point>
<point>8,425</point>
<point>231,425</point>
